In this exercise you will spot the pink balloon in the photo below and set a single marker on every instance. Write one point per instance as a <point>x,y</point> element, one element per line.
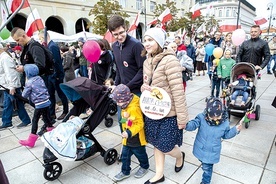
<point>238,37</point>
<point>91,51</point>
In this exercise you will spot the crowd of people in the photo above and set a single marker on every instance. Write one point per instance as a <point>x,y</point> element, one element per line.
<point>139,68</point>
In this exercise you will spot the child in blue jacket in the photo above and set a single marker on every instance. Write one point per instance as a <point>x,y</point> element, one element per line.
<point>36,91</point>
<point>213,125</point>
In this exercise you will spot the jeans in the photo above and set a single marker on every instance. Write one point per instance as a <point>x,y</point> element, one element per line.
<point>8,109</point>
<point>45,116</point>
<point>225,82</point>
<point>139,152</point>
<point>272,57</point>
<point>207,173</point>
<point>77,72</point>
<point>53,85</point>
<point>242,93</point>
<point>83,70</point>
<point>215,85</point>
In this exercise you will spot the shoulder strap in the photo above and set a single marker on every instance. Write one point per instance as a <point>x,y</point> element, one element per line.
<point>152,74</point>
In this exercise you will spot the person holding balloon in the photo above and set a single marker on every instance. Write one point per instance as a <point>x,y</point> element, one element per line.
<point>255,50</point>
<point>215,79</point>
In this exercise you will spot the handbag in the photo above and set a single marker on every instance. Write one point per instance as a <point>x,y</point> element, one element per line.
<point>185,76</point>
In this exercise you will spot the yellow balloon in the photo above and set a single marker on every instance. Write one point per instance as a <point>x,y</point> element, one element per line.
<point>216,62</point>
<point>217,52</point>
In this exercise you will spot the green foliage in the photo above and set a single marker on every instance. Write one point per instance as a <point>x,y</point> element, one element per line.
<point>102,11</point>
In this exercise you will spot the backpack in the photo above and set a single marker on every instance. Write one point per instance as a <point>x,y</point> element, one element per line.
<point>111,73</point>
<point>49,60</point>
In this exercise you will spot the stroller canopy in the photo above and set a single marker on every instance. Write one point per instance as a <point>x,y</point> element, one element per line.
<point>83,87</point>
<point>244,68</point>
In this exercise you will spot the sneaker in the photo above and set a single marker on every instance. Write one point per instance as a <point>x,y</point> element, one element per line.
<point>120,176</point>
<point>269,72</point>
<point>141,172</point>
<point>4,127</point>
<point>62,116</point>
<point>42,130</point>
<point>22,125</point>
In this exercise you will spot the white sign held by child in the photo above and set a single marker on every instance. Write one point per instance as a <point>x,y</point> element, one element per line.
<point>155,104</point>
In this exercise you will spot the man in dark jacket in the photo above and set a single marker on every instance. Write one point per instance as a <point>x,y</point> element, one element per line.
<point>55,79</point>
<point>127,54</point>
<point>255,50</point>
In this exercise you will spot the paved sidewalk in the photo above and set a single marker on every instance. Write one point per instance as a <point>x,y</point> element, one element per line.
<point>250,158</point>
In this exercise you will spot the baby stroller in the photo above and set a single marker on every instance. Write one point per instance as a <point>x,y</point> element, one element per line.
<point>249,109</point>
<point>79,91</point>
<point>83,92</point>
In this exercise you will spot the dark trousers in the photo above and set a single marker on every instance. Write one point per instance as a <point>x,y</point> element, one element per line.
<point>139,152</point>
<point>45,116</point>
<point>53,85</point>
<point>3,176</point>
<point>215,86</point>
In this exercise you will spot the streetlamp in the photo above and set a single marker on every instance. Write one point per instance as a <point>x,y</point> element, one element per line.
<point>270,7</point>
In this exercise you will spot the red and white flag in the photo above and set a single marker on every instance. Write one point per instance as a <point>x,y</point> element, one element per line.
<point>229,26</point>
<point>201,28</point>
<point>134,25</point>
<point>109,37</point>
<point>153,22</point>
<point>165,16</point>
<point>14,4</point>
<point>260,20</point>
<point>195,11</point>
<point>34,23</point>
<point>4,14</point>
<point>184,33</point>
<point>210,10</point>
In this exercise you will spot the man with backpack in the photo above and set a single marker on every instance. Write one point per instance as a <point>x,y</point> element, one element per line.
<point>33,53</point>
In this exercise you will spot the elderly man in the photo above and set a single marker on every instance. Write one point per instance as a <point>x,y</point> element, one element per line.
<point>10,79</point>
<point>255,50</point>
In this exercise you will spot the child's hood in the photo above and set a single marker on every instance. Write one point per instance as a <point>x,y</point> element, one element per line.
<point>31,70</point>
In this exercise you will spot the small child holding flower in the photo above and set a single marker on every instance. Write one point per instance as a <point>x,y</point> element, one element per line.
<point>134,141</point>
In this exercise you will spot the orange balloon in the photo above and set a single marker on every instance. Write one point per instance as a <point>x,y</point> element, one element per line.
<point>217,52</point>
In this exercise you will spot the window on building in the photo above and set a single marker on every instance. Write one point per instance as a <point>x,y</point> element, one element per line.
<point>220,13</point>
<point>227,13</point>
<point>234,13</point>
<point>138,4</point>
<point>123,3</point>
<point>152,6</point>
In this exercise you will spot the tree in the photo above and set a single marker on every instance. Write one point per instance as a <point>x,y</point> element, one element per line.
<point>102,11</point>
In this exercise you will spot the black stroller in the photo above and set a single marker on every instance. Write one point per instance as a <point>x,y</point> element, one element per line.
<point>79,91</point>
<point>83,93</point>
<point>249,109</point>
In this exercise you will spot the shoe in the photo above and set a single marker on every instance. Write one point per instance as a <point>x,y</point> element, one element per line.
<point>120,176</point>
<point>62,116</point>
<point>274,73</point>
<point>177,169</point>
<point>42,130</point>
<point>4,127</point>
<point>141,172</point>
<point>154,182</point>
<point>30,141</point>
<point>269,72</point>
<point>242,104</point>
<point>22,125</point>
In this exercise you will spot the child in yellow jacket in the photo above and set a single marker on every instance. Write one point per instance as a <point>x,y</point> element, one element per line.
<point>134,141</point>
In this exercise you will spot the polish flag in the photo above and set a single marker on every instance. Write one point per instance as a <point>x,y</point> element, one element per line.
<point>34,23</point>
<point>259,20</point>
<point>109,37</point>
<point>14,4</point>
<point>4,14</point>
<point>210,9</point>
<point>184,34</point>
<point>195,11</point>
<point>229,26</point>
<point>133,27</point>
<point>153,22</point>
<point>165,16</point>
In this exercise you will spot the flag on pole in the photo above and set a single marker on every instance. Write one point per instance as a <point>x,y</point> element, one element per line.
<point>134,25</point>
<point>229,26</point>
<point>153,22</point>
<point>195,11</point>
<point>14,4</point>
<point>83,30</point>
<point>109,37</point>
<point>210,9</point>
<point>201,28</point>
<point>165,16</point>
<point>4,14</point>
<point>184,33</point>
<point>260,20</point>
<point>34,23</point>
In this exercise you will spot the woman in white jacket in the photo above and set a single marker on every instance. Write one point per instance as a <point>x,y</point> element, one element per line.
<point>10,79</point>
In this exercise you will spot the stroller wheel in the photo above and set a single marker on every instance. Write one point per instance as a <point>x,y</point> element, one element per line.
<point>110,156</point>
<point>257,112</point>
<point>246,125</point>
<point>108,122</point>
<point>52,171</point>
